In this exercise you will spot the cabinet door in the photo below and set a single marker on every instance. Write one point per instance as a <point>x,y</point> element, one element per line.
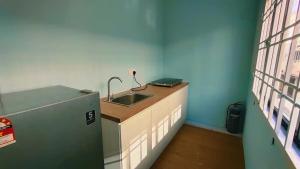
<point>178,109</point>
<point>160,127</point>
<point>111,144</point>
<point>135,141</point>
<point>168,115</point>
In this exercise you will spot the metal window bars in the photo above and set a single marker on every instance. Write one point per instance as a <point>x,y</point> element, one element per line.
<point>277,52</point>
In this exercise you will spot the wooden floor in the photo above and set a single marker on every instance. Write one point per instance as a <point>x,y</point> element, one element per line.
<point>197,148</point>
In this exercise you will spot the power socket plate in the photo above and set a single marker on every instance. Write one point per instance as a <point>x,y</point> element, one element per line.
<point>130,71</point>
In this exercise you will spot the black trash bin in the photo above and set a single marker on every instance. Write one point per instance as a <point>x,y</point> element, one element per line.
<point>235,118</point>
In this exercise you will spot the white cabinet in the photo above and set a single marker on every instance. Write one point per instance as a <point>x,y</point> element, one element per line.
<point>168,116</point>
<point>160,127</point>
<point>178,109</point>
<point>138,141</point>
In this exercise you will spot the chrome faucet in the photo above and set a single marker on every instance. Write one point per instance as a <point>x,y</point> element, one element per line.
<point>108,87</point>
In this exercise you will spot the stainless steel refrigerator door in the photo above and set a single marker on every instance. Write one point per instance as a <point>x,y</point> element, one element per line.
<point>56,137</point>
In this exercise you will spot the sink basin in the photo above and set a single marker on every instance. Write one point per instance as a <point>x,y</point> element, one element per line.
<point>130,99</point>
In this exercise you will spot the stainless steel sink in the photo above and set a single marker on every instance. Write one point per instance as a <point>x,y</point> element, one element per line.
<point>130,99</point>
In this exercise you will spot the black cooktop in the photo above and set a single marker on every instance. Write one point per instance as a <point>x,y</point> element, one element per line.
<point>166,82</point>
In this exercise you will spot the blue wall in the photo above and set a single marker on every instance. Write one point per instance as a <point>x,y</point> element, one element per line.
<point>209,43</point>
<point>82,43</point>
<point>79,43</point>
<point>257,139</point>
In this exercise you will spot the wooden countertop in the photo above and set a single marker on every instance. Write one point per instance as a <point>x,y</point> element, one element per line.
<point>119,113</point>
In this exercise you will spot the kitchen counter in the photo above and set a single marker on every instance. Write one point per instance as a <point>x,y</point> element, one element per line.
<point>119,113</point>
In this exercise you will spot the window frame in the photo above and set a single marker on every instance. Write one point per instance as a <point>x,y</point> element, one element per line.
<point>270,82</point>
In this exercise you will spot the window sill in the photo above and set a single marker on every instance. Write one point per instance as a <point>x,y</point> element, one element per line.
<point>282,135</point>
<point>294,154</point>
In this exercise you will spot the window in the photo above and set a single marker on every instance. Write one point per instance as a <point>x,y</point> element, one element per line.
<point>276,76</point>
<point>290,91</point>
<point>297,54</point>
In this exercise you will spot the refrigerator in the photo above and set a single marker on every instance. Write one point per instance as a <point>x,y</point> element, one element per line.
<point>50,128</point>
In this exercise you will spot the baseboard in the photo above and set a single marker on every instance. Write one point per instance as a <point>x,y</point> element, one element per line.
<point>211,128</point>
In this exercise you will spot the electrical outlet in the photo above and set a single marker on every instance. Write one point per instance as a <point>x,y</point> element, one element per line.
<point>130,71</point>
